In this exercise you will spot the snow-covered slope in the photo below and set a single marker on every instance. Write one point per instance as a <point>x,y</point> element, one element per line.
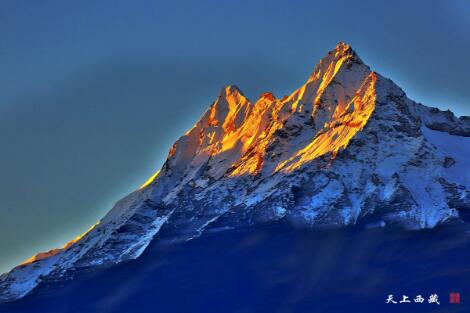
<point>346,148</point>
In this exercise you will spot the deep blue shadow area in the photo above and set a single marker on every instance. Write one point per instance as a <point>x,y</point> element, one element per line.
<point>275,268</point>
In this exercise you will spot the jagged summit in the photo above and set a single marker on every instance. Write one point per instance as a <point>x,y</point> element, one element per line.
<point>267,95</point>
<point>230,90</point>
<point>346,148</point>
<point>342,52</point>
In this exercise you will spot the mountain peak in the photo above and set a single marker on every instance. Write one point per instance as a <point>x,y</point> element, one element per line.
<point>346,148</point>
<point>230,90</point>
<point>342,47</point>
<point>341,54</point>
<point>267,95</point>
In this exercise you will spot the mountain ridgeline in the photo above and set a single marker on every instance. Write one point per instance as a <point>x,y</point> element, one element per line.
<point>346,148</point>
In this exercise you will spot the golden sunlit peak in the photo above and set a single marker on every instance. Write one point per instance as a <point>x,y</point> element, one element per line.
<point>341,52</point>
<point>342,47</point>
<point>336,134</point>
<point>230,90</point>
<point>267,95</point>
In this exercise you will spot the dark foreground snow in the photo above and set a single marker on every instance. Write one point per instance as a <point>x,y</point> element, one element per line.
<point>274,269</point>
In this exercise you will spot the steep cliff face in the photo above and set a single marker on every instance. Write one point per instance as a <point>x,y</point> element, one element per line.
<point>346,148</point>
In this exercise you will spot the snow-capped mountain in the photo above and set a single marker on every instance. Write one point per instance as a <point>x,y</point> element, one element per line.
<point>346,148</point>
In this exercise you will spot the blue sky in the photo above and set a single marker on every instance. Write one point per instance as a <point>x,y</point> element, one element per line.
<point>93,93</point>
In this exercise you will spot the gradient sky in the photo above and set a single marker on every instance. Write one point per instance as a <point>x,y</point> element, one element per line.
<point>93,93</point>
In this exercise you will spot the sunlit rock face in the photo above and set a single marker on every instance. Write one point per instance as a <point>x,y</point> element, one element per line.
<point>346,148</point>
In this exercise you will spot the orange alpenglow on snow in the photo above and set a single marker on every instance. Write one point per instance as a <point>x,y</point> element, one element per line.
<point>236,137</point>
<point>339,131</point>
